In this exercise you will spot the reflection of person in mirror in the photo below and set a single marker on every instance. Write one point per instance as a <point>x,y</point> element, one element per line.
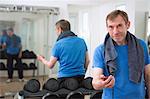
<point>71,52</point>
<point>121,65</point>
<point>3,39</point>
<point>14,51</point>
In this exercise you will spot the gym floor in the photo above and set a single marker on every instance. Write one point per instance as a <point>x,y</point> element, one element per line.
<point>10,89</point>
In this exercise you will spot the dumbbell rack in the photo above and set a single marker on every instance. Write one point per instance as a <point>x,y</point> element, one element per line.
<point>29,59</point>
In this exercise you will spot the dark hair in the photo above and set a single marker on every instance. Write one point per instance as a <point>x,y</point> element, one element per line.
<point>10,29</point>
<point>115,13</point>
<point>63,24</point>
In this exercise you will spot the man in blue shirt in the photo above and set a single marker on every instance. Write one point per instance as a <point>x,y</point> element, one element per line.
<point>13,49</point>
<point>71,52</point>
<point>121,65</point>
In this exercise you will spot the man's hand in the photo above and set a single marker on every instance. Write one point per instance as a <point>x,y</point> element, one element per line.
<point>40,58</point>
<point>103,82</point>
<point>109,82</point>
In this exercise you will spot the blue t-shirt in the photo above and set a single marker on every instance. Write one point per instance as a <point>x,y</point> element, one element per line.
<point>123,88</point>
<point>70,52</point>
<point>13,44</point>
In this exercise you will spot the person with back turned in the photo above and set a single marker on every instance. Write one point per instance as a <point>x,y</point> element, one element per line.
<point>121,65</point>
<point>71,53</point>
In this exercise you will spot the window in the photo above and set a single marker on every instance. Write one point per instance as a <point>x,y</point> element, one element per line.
<point>84,29</point>
<point>148,31</point>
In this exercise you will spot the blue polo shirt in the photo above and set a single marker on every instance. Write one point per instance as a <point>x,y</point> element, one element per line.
<point>123,88</point>
<point>13,44</point>
<point>70,52</point>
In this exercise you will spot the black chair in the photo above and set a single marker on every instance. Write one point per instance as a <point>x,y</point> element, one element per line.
<point>75,95</point>
<point>51,96</point>
<point>96,95</point>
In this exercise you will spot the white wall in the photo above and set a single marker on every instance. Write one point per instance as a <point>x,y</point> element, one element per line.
<point>136,10</point>
<point>97,26</point>
<point>141,7</point>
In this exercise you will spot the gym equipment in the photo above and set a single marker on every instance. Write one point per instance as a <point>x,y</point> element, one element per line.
<point>25,66</point>
<point>3,55</point>
<point>51,96</point>
<point>87,83</point>
<point>75,95</point>
<point>25,54</point>
<point>32,86</point>
<point>96,95</point>
<point>70,83</point>
<point>51,85</point>
<point>28,54</point>
<point>32,66</point>
<point>2,66</point>
<point>32,54</point>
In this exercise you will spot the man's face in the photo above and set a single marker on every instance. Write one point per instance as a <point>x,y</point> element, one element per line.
<point>10,33</point>
<point>58,30</point>
<point>117,29</point>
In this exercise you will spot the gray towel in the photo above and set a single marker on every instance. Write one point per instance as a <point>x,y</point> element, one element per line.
<point>65,34</point>
<point>135,57</point>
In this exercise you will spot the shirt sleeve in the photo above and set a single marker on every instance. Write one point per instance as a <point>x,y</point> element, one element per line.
<point>55,51</point>
<point>146,55</point>
<point>98,59</point>
<point>85,45</point>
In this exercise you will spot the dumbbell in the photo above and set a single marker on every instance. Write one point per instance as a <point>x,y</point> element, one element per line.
<point>32,66</point>
<point>32,54</point>
<point>25,66</point>
<point>26,54</point>
<point>32,86</point>
<point>87,83</point>
<point>2,66</point>
<point>51,85</point>
<point>70,83</point>
<point>3,55</point>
